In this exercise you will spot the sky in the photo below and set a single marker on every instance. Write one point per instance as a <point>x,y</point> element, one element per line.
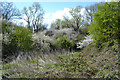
<point>53,10</point>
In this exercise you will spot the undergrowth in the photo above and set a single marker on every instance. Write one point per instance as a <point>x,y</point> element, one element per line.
<point>89,63</point>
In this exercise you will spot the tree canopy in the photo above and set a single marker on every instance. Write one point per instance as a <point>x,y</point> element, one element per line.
<point>104,28</point>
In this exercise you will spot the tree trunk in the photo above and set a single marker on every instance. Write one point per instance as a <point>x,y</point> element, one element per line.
<point>37,29</point>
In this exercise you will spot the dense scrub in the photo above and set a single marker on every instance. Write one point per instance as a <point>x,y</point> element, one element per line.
<point>15,39</point>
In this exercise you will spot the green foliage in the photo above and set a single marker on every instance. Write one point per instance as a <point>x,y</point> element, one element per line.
<point>8,47</point>
<point>84,31</point>
<point>104,28</point>
<point>73,63</point>
<point>90,10</point>
<point>88,63</point>
<point>56,24</point>
<point>64,42</point>
<point>23,37</point>
<point>106,61</point>
<point>5,27</point>
<point>113,75</point>
<point>76,63</point>
<point>15,39</point>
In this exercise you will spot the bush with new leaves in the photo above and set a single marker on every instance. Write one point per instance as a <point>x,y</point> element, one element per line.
<point>23,37</point>
<point>105,28</point>
<point>15,39</point>
<point>64,42</point>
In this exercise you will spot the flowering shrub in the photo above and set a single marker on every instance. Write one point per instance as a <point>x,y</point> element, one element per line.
<point>85,42</point>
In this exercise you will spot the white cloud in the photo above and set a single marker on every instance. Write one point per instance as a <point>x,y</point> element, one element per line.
<point>82,11</point>
<point>20,21</point>
<point>47,19</point>
<point>47,15</point>
<point>65,12</point>
<point>59,15</point>
<point>51,17</point>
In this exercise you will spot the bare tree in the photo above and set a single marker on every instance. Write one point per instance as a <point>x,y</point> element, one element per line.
<point>34,16</point>
<point>8,11</point>
<point>38,15</point>
<point>67,23</point>
<point>90,10</point>
<point>28,15</point>
<point>77,17</point>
